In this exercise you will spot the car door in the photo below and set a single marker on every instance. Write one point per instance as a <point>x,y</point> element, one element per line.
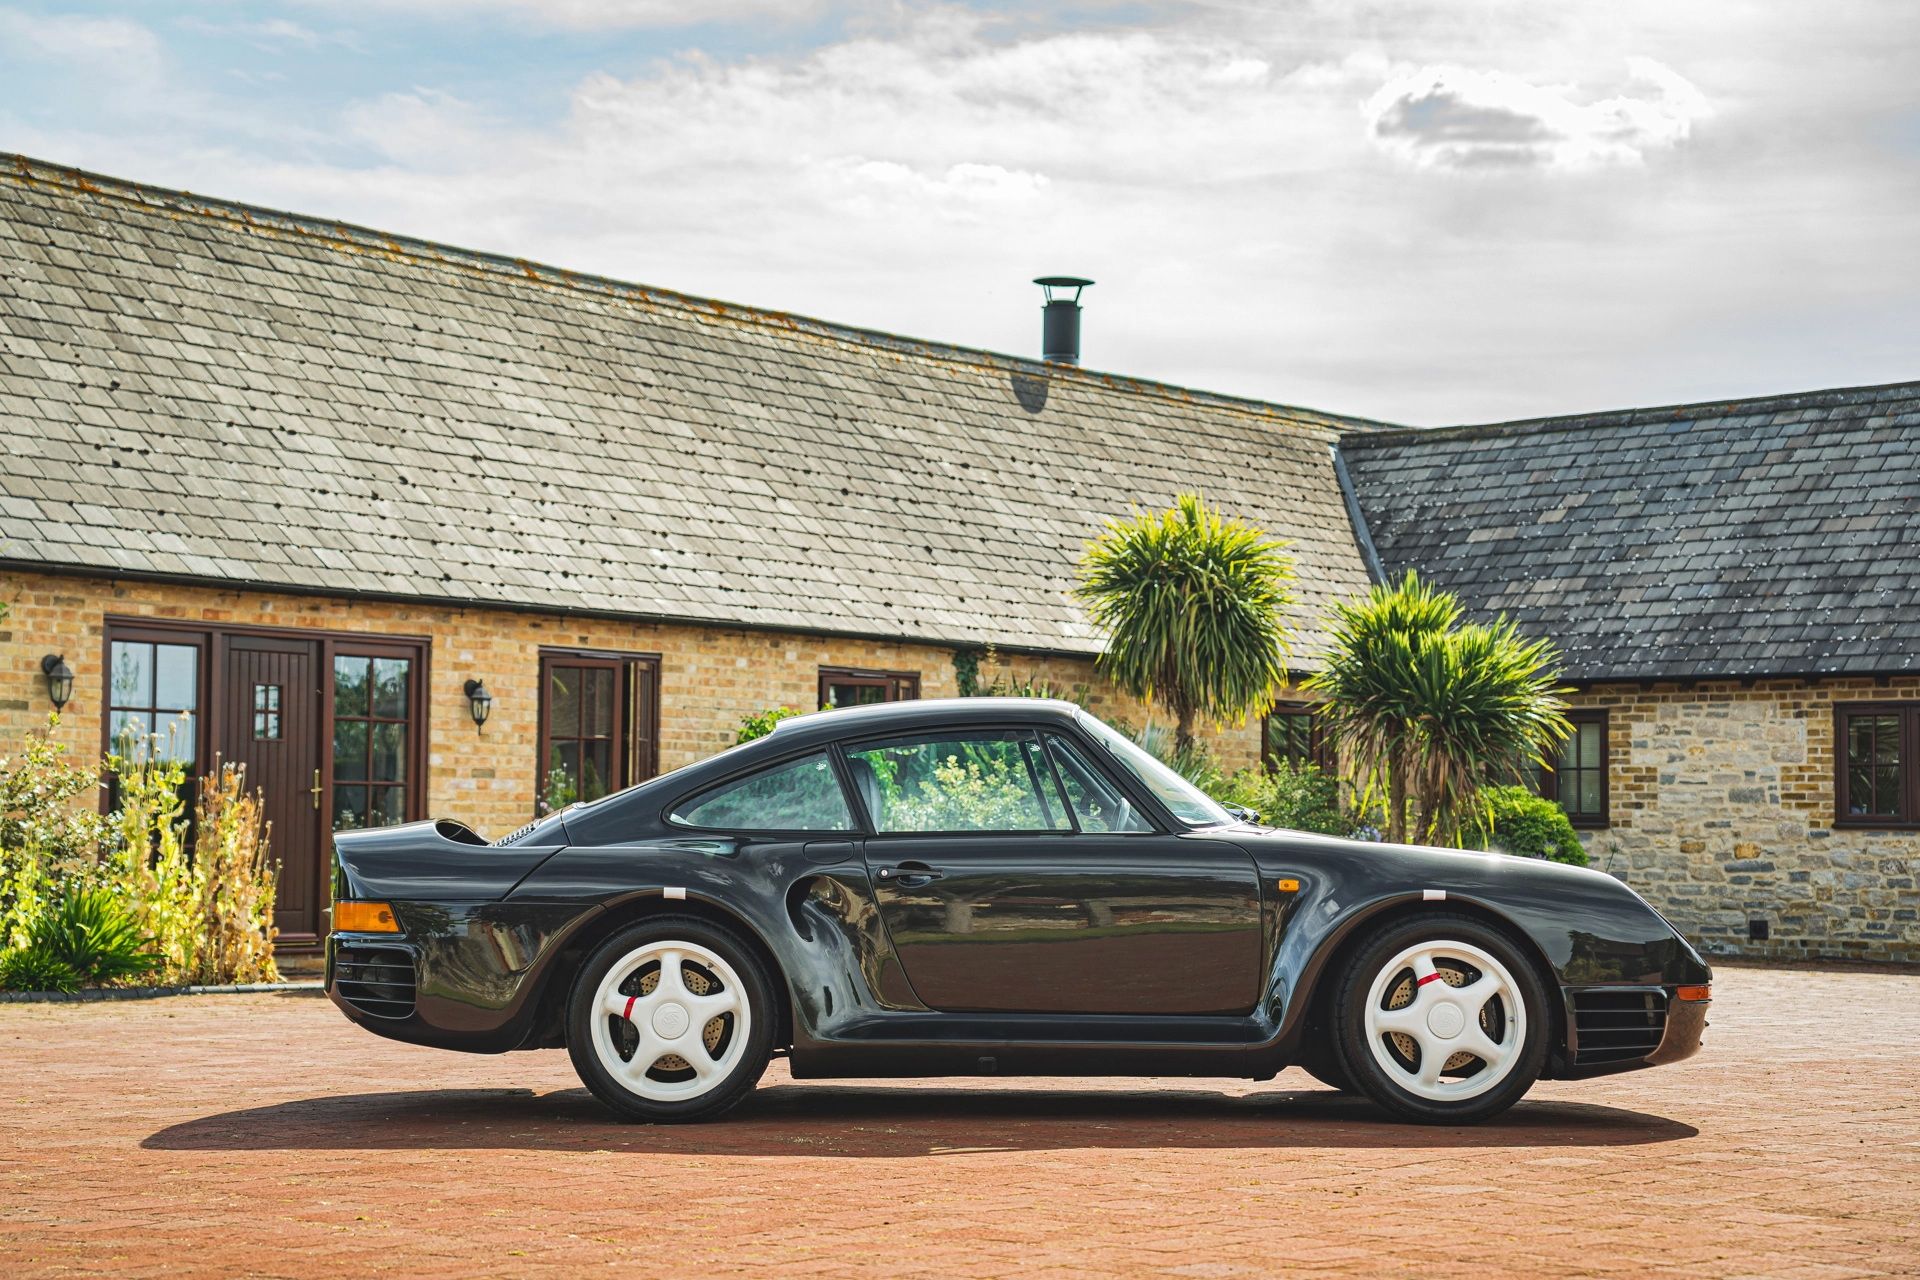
<point>1013,876</point>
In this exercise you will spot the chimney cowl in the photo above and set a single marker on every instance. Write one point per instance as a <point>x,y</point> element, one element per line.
<point>1060,318</point>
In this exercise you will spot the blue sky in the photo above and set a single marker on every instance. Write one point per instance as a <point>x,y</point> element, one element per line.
<point>1418,210</point>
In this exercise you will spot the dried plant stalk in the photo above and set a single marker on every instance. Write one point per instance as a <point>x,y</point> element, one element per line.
<point>238,882</point>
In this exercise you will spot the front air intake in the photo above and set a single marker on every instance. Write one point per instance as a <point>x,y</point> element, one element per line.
<point>1617,1024</point>
<point>378,981</point>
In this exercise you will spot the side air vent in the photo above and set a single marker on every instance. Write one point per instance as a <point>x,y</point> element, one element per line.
<point>517,836</point>
<point>378,981</point>
<point>1617,1025</point>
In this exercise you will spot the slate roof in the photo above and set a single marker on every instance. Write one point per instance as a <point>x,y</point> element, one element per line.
<point>199,390</point>
<point>1770,536</point>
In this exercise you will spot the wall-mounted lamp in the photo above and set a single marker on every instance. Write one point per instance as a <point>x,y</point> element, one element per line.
<point>479,701</point>
<point>59,679</point>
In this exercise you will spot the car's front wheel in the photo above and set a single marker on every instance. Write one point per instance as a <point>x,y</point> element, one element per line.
<point>671,1019</point>
<point>1441,1019</point>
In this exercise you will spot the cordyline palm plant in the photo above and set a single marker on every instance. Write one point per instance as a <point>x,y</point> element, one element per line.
<point>1191,603</point>
<point>1433,708</point>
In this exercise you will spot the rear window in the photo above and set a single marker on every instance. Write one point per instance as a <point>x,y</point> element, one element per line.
<point>800,795</point>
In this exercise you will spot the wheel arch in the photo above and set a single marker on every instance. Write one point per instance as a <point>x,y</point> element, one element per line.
<point>1339,947</point>
<point>549,1028</point>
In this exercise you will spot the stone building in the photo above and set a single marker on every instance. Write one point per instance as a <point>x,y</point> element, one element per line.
<point>1734,592</point>
<point>302,490</point>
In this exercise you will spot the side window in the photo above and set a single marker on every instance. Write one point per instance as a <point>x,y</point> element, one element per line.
<point>958,782</point>
<point>1096,803</point>
<point>800,795</point>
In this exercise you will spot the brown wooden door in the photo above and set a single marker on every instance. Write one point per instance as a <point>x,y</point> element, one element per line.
<point>270,722</point>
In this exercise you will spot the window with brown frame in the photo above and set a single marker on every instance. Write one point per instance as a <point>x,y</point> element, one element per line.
<point>850,687</point>
<point>599,724</point>
<point>1876,751</point>
<point>1293,734</point>
<point>1576,777</point>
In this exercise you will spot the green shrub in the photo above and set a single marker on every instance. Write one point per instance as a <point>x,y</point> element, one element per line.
<point>96,937</point>
<point>36,969</point>
<point>1303,798</point>
<point>761,723</point>
<point>49,834</point>
<point>1514,820</point>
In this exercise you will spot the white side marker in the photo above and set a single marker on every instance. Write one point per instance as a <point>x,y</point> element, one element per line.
<point>673,892</point>
<point>1433,895</point>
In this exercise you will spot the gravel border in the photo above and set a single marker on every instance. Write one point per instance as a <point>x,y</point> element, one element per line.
<point>151,993</point>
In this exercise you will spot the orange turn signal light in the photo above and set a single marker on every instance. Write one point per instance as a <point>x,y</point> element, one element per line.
<point>1289,886</point>
<point>364,917</point>
<point>1701,992</point>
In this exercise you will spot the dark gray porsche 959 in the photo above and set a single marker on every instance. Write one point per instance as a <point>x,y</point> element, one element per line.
<point>993,886</point>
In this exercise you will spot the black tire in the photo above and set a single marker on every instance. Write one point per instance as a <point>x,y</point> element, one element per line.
<point>757,991</point>
<point>1356,1056</point>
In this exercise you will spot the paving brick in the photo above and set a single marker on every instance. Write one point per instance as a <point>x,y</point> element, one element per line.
<point>264,1135</point>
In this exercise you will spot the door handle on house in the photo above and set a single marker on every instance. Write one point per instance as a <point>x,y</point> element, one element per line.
<point>316,789</point>
<point>910,875</point>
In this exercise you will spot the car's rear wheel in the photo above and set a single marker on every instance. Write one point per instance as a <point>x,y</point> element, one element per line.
<point>1442,1019</point>
<point>671,1019</point>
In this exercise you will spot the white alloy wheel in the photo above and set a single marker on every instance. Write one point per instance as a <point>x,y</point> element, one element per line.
<point>670,1021</point>
<point>1445,1021</point>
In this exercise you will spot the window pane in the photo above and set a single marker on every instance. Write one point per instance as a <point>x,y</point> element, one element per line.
<point>802,795</point>
<point>388,807</point>
<point>130,729</point>
<point>175,686</point>
<point>1570,751</point>
<point>349,808</point>
<point>596,702</point>
<point>1873,765</point>
<point>390,687</point>
<point>596,769</point>
<point>132,674</point>
<point>855,695</point>
<point>350,750</point>
<point>1589,738</point>
<point>351,678</point>
<point>563,702</point>
<point>1590,793</point>
<point>1097,805</point>
<point>949,784</point>
<point>389,753</point>
<point>561,786</point>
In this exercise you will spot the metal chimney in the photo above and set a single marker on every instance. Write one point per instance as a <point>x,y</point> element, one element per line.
<point>1060,327</point>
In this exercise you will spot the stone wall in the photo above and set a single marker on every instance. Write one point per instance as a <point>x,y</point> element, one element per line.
<point>710,677</point>
<point>1722,812</point>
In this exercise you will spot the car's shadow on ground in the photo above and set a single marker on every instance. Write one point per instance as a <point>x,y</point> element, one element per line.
<point>844,1121</point>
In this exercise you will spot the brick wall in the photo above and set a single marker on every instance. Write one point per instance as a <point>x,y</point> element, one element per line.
<point>1722,811</point>
<point>710,677</point>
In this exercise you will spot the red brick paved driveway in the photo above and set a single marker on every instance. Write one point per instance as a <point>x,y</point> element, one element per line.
<point>263,1135</point>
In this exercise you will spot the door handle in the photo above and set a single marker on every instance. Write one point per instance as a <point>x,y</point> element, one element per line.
<point>910,875</point>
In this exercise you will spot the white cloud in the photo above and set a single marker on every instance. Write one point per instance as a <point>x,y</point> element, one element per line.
<point>1456,118</point>
<point>1218,171</point>
<point>599,15</point>
<point>117,47</point>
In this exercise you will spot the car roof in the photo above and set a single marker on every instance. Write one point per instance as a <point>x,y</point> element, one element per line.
<point>884,717</point>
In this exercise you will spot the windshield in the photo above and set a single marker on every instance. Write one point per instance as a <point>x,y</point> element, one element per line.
<point>1186,801</point>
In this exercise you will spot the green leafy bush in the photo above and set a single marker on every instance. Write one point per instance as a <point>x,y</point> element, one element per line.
<point>1303,798</point>
<point>1514,820</point>
<point>49,832</point>
<point>761,723</point>
<point>36,969</point>
<point>96,937</point>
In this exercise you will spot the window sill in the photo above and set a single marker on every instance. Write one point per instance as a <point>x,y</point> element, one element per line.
<point>1875,824</point>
